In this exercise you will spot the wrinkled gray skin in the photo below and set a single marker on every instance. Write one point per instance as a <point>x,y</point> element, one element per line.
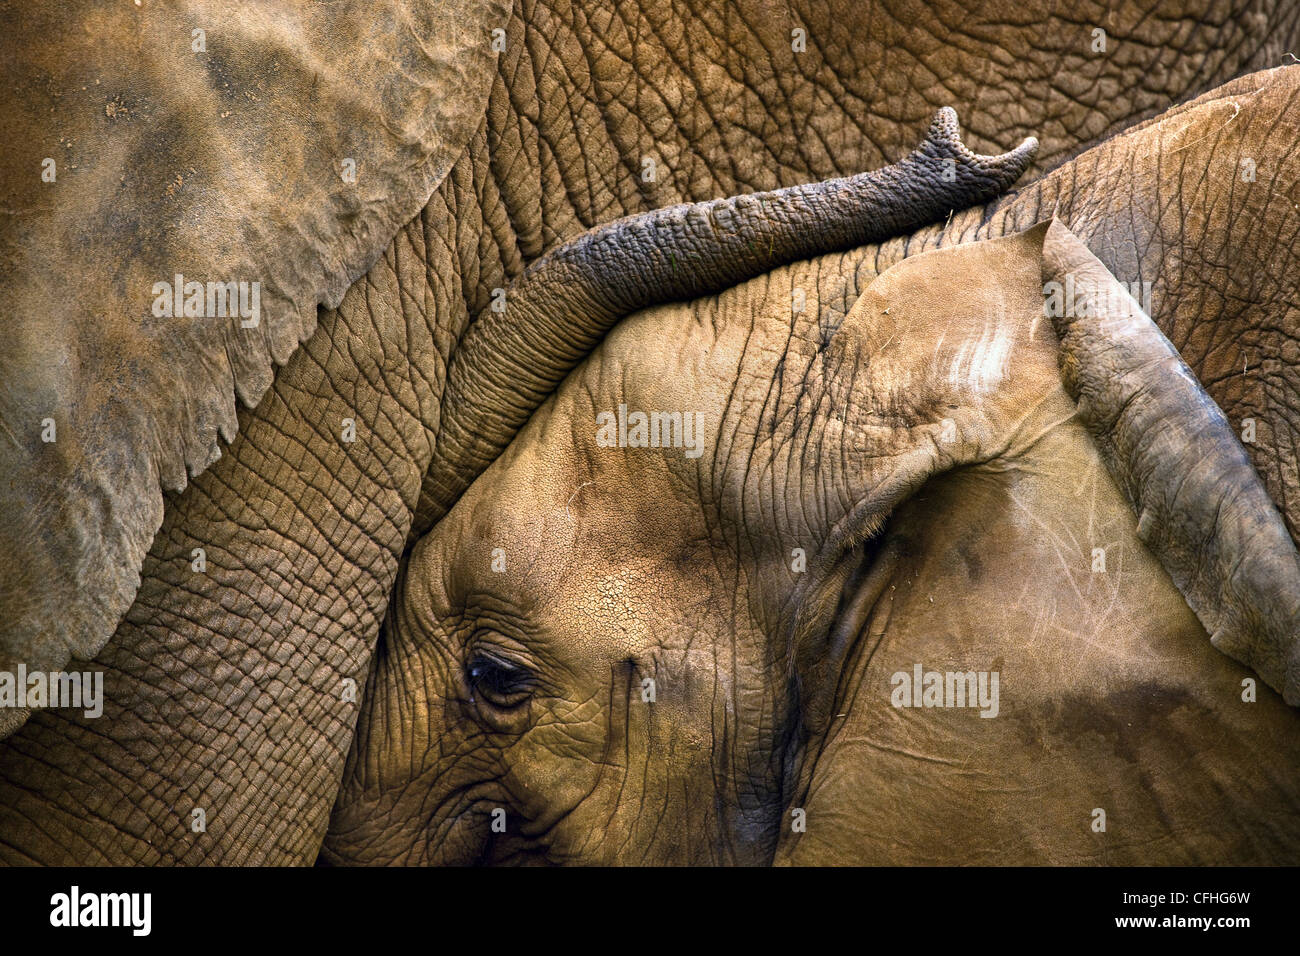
<point>224,688</point>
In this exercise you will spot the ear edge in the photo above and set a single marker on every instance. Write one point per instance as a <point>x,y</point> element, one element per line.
<point>80,515</point>
<point>1203,510</point>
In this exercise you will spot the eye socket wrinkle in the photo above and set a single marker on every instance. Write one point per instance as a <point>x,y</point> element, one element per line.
<point>503,683</point>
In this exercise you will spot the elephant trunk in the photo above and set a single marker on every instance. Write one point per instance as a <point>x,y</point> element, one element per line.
<point>561,306</point>
<point>1202,510</point>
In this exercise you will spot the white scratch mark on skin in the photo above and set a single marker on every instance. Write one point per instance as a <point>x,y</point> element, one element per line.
<point>567,513</point>
<point>939,344</point>
<point>1236,109</point>
<point>980,366</point>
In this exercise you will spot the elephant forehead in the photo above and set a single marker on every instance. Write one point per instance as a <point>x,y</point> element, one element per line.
<point>634,605</point>
<point>598,525</point>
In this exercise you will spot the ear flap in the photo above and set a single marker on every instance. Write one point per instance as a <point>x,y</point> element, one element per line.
<point>941,361</point>
<point>1201,508</point>
<point>185,184</point>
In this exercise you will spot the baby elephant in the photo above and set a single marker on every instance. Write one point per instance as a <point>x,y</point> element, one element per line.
<point>772,580</point>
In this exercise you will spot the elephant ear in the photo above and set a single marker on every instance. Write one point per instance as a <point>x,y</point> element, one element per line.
<point>277,146</point>
<point>1201,508</point>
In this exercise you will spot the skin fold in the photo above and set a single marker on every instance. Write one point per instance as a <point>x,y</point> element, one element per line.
<point>226,690</point>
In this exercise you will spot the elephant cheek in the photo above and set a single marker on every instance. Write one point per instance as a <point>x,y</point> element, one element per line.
<point>464,839</point>
<point>424,824</point>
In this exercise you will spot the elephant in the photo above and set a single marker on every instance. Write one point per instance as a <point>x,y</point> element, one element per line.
<point>231,690</point>
<point>518,688</point>
<point>605,654</point>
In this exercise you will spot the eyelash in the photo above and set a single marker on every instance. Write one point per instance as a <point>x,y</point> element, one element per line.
<point>498,680</point>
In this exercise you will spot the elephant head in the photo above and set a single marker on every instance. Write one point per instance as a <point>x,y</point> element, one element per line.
<point>607,654</point>
<point>629,638</point>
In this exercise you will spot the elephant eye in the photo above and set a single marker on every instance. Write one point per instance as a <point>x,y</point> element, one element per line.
<point>500,682</point>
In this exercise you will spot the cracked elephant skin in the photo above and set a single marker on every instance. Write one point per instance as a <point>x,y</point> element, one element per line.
<point>223,688</point>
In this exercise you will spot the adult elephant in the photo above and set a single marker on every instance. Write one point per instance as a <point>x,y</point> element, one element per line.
<point>228,687</point>
<point>747,587</point>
